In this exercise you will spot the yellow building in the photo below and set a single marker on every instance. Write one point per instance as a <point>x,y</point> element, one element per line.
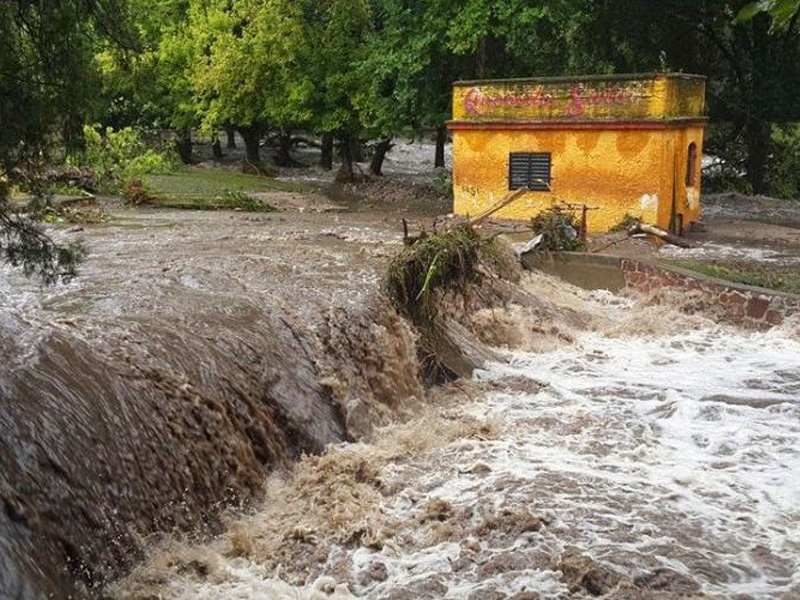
<point>621,144</point>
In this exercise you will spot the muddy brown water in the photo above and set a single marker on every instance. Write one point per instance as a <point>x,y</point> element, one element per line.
<point>195,352</point>
<point>616,448</point>
<point>611,446</point>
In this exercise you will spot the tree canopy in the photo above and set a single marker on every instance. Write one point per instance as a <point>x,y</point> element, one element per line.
<point>46,71</point>
<point>371,70</point>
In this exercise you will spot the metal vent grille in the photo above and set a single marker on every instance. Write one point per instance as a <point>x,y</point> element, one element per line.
<point>530,170</point>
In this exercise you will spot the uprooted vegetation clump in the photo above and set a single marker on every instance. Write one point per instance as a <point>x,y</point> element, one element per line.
<point>136,193</point>
<point>440,261</point>
<point>440,278</point>
<point>559,230</point>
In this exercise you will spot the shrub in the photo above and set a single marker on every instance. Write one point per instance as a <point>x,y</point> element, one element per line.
<point>117,157</point>
<point>783,177</point>
<point>443,184</point>
<point>136,192</point>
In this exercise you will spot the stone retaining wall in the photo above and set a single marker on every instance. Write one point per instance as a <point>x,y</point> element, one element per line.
<point>748,306</point>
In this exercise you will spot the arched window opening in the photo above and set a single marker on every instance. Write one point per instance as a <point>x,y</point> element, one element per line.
<point>691,166</point>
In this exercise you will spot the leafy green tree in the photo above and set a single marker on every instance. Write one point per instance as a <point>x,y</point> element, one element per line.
<point>151,85</point>
<point>46,68</point>
<point>338,29</point>
<point>249,71</point>
<point>418,48</point>
<point>784,13</point>
<point>408,73</point>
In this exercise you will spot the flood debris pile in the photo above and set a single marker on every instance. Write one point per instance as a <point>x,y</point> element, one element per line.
<point>439,262</point>
<point>556,230</point>
<point>439,282</point>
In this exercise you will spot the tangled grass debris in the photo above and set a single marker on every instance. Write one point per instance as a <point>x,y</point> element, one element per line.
<point>559,230</point>
<point>625,224</point>
<point>440,261</point>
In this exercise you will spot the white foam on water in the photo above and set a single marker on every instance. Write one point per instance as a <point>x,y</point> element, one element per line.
<point>682,451</point>
<point>246,582</point>
<point>676,450</point>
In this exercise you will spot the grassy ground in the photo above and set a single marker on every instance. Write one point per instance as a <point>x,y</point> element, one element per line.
<point>204,189</point>
<point>783,279</point>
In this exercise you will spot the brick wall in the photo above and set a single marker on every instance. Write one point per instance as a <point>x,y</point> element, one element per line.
<point>751,307</point>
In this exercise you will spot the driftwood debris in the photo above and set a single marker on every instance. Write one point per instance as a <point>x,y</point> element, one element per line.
<point>508,199</point>
<point>662,234</point>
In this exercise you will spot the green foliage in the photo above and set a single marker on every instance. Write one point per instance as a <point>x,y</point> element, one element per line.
<point>726,143</point>
<point>250,67</point>
<point>753,69</point>
<point>23,244</point>
<point>783,178</point>
<point>206,182</point>
<point>75,215</point>
<point>784,13</point>
<point>117,157</point>
<point>46,80</point>
<point>238,201</point>
<point>200,189</point>
<point>152,86</point>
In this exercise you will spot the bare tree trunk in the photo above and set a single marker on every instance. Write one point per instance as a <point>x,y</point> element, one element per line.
<point>283,158</point>
<point>441,140</point>
<point>231,144</point>
<point>346,173</point>
<point>662,234</point>
<point>184,146</point>
<point>252,141</point>
<point>216,148</point>
<point>480,59</point>
<point>758,135</point>
<point>356,149</point>
<point>376,164</point>
<point>326,157</point>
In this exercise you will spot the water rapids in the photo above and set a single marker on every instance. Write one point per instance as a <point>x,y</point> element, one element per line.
<point>616,448</point>
<point>196,352</point>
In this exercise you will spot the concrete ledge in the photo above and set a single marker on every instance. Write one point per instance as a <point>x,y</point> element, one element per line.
<point>745,305</point>
<point>588,271</point>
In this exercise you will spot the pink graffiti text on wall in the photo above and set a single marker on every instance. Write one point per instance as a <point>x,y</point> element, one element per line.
<point>478,103</point>
<point>583,97</point>
<point>579,100</point>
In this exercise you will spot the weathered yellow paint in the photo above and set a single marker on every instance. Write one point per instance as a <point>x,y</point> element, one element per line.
<point>619,145</point>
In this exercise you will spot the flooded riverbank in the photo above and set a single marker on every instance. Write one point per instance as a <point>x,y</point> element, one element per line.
<point>640,453</point>
<point>195,353</point>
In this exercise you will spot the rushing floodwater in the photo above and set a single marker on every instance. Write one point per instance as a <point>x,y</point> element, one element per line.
<point>664,457</point>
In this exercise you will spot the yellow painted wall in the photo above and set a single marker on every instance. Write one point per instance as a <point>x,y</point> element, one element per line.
<point>615,145</point>
<point>619,172</point>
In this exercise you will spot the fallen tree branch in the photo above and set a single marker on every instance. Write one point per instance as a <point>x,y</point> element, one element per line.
<point>508,199</point>
<point>662,234</point>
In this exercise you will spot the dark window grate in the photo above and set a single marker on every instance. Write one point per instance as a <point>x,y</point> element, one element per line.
<point>530,170</point>
<point>691,166</point>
